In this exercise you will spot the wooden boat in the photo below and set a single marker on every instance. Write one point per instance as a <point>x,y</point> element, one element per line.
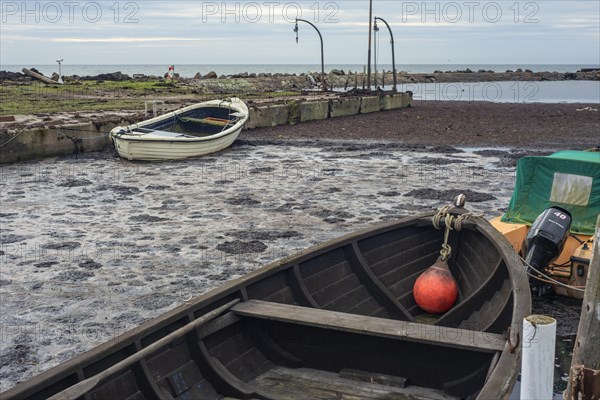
<point>569,180</point>
<point>336,321</point>
<point>192,131</point>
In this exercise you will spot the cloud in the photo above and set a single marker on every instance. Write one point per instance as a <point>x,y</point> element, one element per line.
<point>133,39</point>
<point>424,31</point>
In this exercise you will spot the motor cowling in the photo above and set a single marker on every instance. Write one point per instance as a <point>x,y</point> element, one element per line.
<point>546,240</point>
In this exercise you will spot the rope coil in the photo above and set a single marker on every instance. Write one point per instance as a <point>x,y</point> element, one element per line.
<point>451,222</point>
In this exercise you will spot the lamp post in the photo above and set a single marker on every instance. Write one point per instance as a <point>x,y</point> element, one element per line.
<point>322,52</point>
<point>59,70</point>
<point>369,52</point>
<point>392,42</point>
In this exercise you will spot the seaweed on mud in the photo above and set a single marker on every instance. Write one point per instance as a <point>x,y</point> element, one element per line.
<point>328,214</point>
<point>74,276</point>
<point>10,238</point>
<point>119,189</point>
<point>147,218</point>
<point>74,183</point>
<point>46,264</point>
<point>445,149</point>
<point>264,235</point>
<point>90,264</point>
<point>439,161</point>
<point>242,200</point>
<point>391,193</point>
<point>153,302</point>
<point>62,246</point>
<point>158,187</point>
<point>433,194</point>
<point>241,247</point>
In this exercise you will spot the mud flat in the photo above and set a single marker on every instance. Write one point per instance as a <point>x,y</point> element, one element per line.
<point>92,247</point>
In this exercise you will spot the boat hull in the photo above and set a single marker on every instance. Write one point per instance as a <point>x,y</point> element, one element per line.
<point>145,150</point>
<point>336,320</point>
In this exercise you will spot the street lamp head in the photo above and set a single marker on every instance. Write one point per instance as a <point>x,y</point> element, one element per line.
<point>296,30</point>
<point>59,61</point>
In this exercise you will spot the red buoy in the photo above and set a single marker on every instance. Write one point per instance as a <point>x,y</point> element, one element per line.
<point>435,290</point>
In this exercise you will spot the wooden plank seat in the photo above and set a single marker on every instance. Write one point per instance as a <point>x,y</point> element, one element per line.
<point>309,384</point>
<point>360,324</point>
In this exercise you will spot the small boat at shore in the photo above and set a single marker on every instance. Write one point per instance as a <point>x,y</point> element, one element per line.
<point>192,131</point>
<point>338,320</point>
<point>551,219</point>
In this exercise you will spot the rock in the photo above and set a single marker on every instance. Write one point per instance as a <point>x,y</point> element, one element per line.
<point>55,77</point>
<point>252,75</point>
<point>222,77</point>
<point>519,70</point>
<point>138,76</point>
<point>337,72</point>
<point>198,75</point>
<point>243,75</point>
<point>211,75</point>
<point>12,76</point>
<point>529,71</point>
<point>112,76</point>
<point>468,71</point>
<point>438,72</point>
<point>312,80</point>
<point>570,76</point>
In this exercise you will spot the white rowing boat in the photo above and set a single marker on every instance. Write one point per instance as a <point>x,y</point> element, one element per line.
<point>192,131</point>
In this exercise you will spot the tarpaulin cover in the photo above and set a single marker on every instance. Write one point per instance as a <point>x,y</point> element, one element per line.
<point>569,179</point>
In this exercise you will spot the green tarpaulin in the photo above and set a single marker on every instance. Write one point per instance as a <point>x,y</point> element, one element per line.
<point>569,179</point>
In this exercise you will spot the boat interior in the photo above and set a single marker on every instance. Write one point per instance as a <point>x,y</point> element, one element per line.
<point>338,323</point>
<point>199,122</point>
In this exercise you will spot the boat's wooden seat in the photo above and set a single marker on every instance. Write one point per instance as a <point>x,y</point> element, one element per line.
<point>360,324</point>
<point>309,384</point>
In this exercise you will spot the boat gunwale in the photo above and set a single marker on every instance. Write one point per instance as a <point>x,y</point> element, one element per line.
<point>236,105</point>
<point>505,368</point>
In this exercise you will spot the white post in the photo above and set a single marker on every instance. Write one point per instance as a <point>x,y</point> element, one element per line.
<point>537,364</point>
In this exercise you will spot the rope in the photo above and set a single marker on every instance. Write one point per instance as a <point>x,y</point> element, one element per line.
<point>67,136</point>
<point>452,223</point>
<point>548,278</point>
<point>12,138</point>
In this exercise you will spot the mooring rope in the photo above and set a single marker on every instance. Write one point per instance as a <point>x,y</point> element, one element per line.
<point>549,279</point>
<point>452,223</point>
<point>12,138</point>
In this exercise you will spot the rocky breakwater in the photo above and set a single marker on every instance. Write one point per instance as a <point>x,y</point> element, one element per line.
<point>213,83</point>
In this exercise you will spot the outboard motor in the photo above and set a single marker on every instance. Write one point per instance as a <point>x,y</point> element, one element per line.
<point>545,241</point>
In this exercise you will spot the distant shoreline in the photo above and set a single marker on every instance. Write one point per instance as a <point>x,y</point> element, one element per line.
<point>190,70</point>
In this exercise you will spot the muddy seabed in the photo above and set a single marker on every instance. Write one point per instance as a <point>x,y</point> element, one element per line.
<point>92,247</point>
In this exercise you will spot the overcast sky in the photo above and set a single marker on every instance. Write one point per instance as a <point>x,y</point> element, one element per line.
<point>261,32</point>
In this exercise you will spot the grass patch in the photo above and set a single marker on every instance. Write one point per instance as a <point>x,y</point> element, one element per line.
<point>36,97</point>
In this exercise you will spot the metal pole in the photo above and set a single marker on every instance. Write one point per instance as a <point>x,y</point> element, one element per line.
<point>322,51</point>
<point>376,30</point>
<point>369,52</point>
<point>59,70</point>
<point>537,362</point>
<point>393,56</point>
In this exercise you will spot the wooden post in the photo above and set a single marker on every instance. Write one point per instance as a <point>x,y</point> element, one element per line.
<point>587,346</point>
<point>40,77</point>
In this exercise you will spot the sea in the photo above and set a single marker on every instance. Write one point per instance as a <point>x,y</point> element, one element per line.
<point>500,92</point>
